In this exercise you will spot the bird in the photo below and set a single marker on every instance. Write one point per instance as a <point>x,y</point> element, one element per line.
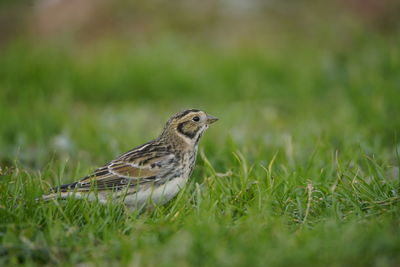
<point>148,175</point>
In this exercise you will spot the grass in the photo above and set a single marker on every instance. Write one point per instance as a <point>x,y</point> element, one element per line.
<point>301,169</point>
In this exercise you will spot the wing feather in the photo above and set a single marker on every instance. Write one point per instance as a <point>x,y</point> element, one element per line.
<point>128,170</point>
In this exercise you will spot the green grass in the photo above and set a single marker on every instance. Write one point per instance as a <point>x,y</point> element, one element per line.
<point>301,169</point>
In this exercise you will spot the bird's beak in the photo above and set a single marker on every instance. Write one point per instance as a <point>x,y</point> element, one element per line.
<point>211,119</point>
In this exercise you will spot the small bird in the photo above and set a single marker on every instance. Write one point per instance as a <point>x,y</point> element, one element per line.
<point>150,174</point>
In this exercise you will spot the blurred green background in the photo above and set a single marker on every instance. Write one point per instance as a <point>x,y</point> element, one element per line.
<point>315,83</point>
<point>120,69</point>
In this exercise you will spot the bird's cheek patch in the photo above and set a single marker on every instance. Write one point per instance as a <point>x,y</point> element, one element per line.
<point>187,129</point>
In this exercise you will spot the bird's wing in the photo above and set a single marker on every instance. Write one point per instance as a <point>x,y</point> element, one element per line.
<point>130,170</point>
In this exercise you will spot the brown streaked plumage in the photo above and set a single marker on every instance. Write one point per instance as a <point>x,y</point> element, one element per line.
<point>152,173</point>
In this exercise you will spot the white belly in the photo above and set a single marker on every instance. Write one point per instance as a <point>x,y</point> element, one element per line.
<point>156,196</point>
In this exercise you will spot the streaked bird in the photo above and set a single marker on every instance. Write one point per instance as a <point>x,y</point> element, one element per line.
<point>150,174</point>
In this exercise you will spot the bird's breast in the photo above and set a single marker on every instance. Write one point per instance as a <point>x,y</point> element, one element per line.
<point>188,163</point>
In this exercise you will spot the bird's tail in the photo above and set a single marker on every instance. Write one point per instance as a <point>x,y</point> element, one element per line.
<point>55,193</point>
<point>51,196</point>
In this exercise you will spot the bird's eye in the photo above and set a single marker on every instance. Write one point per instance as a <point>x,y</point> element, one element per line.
<point>196,119</point>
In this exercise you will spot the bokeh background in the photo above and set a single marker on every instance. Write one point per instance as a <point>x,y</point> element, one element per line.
<point>307,93</point>
<point>115,71</point>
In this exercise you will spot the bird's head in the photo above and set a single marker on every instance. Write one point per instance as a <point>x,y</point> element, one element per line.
<point>188,125</point>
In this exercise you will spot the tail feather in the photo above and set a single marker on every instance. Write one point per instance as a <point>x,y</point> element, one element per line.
<point>52,196</point>
<point>65,187</point>
<point>59,192</point>
<point>49,197</point>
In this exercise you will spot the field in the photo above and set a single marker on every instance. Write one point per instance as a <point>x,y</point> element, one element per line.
<point>302,168</point>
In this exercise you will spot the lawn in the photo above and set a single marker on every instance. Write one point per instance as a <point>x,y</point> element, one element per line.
<point>302,169</point>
